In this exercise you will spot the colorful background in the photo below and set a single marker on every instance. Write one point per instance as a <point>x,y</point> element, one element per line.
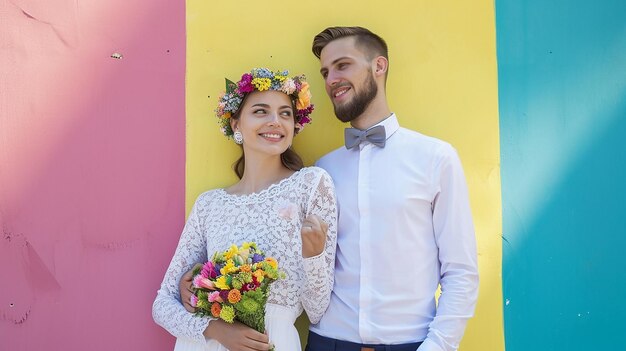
<point>107,136</point>
<point>562,93</point>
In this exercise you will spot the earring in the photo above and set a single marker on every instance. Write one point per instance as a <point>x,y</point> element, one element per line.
<point>238,137</point>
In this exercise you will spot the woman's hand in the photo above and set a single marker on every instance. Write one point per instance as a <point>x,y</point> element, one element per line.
<point>185,288</point>
<point>313,234</point>
<point>237,336</point>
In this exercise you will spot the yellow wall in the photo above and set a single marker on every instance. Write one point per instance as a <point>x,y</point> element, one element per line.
<point>442,82</point>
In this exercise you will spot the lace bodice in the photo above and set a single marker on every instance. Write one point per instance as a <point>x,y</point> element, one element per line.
<point>273,219</point>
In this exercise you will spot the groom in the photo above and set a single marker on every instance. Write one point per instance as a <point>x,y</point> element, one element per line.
<point>405,225</point>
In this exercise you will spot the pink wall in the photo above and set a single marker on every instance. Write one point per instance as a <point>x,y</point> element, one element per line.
<point>91,170</point>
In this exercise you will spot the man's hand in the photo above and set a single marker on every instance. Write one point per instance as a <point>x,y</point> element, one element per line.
<point>185,287</point>
<point>313,234</point>
<point>237,336</point>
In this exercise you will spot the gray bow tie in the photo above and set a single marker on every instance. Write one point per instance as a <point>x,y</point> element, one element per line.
<point>375,135</point>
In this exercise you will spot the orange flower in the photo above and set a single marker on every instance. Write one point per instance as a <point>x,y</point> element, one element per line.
<point>245,268</point>
<point>216,309</point>
<point>304,97</point>
<point>234,296</point>
<point>272,261</point>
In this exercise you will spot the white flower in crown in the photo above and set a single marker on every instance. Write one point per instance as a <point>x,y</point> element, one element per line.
<point>289,86</point>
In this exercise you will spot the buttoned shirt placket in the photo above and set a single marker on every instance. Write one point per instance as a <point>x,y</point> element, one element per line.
<point>364,198</point>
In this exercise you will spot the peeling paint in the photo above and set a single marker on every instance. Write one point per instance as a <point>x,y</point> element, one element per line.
<point>54,28</point>
<point>505,239</point>
<point>17,320</point>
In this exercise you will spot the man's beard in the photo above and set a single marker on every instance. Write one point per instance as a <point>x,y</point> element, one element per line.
<point>353,109</point>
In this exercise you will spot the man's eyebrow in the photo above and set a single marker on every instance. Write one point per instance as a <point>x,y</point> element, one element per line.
<point>324,69</point>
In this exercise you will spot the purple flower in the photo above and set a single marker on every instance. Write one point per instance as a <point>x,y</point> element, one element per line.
<point>224,294</point>
<point>218,267</point>
<point>257,258</point>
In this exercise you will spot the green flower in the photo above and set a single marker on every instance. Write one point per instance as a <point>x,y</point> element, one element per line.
<point>203,301</point>
<point>227,313</point>
<point>237,283</point>
<point>247,304</point>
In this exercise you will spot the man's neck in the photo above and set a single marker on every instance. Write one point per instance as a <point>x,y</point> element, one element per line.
<point>377,111</point>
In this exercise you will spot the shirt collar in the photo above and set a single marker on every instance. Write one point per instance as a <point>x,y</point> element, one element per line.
<point>391,125</point>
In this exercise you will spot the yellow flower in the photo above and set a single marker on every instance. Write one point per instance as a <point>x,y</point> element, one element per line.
<point>221,283</point>
<point>248,245</point>
<point>259,274</point>
<point>226,115</point>
<point>262,84</point>
<point>227,314</point>
<point>229,267</point>
<point>232,251</point>
<point>304,97</point>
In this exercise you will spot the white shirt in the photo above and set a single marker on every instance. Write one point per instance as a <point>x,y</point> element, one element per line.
<point>404,227</point>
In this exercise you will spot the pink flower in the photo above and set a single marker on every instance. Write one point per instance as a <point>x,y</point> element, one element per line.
<point>250,286</point>
<point>289,86</point>
<point>196,281</point>
<point>208,270</point>
<point>245,84</point>
<point>215,297</point>
<point>193,300</point>
<point>201,282</point>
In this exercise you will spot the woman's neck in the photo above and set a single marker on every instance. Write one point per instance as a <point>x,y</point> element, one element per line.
<point>259,174</point>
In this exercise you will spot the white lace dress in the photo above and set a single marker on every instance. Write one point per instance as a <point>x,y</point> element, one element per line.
<point>273,219</point>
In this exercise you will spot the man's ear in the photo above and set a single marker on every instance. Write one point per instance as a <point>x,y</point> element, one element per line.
<point>381,64</point>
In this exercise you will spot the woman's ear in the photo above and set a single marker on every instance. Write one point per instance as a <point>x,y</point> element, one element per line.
<point>234,124</point>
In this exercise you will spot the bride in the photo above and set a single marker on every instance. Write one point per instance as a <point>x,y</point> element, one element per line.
<point>288,210</point>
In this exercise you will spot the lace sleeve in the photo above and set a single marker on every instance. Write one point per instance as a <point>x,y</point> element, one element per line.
<point>320,269</point>
<point>167,309</point>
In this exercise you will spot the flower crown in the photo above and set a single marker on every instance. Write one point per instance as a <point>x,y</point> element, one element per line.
<point>262,79</point>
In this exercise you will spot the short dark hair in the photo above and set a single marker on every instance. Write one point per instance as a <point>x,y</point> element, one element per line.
<point>370,43</point>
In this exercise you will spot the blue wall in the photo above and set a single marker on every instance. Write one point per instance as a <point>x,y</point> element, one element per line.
<point>562,96</point>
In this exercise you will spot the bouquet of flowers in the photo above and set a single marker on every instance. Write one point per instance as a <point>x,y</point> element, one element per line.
<point>234,285</point>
